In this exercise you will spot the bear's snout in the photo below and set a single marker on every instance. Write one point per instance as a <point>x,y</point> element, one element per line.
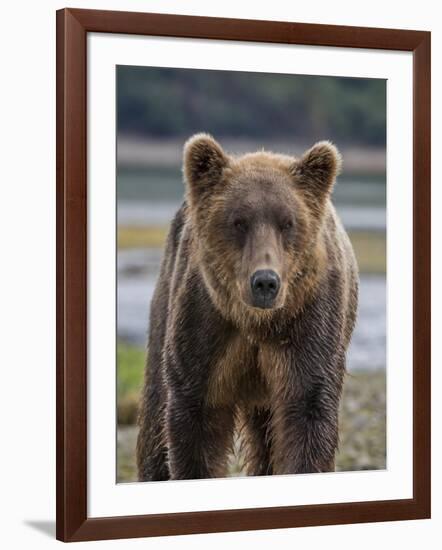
<point>265,284</point>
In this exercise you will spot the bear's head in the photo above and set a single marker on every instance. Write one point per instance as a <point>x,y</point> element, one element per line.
<point>256,219</point>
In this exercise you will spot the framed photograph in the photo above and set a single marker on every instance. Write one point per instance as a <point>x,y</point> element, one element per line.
<point>243,274</point>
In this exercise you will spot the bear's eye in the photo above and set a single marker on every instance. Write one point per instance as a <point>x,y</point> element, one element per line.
<point>287,225</point>
<point>240,225</point>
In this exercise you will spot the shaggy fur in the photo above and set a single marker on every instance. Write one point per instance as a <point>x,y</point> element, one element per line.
<point>215,361</point>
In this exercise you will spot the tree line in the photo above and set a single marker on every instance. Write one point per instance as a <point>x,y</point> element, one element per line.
<point>167,103</point>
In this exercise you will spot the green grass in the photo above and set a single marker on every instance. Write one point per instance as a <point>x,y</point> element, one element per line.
<point>130,373</point>
<point>370,250</point>
<point>141,237</point>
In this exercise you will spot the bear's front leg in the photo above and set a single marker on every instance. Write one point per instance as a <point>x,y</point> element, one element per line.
<point>305,416</point>
<point>198,437</point>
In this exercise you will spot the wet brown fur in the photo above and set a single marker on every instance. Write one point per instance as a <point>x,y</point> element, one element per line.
<point>215,361</point>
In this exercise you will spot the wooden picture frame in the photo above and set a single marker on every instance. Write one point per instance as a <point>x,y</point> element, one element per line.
<point>73,523</point>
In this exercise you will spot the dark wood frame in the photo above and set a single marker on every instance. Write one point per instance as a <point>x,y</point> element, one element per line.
<point>73,523</point>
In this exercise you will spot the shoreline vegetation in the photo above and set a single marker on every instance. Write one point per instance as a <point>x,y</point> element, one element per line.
<point>362,418</point>
<point>369,246</point>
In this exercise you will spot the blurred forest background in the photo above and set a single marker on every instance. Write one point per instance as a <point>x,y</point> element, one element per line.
<point>157,110</point>
<point>171,103</point>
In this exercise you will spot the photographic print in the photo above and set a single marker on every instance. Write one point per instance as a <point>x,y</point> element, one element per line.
<point>251,274</point>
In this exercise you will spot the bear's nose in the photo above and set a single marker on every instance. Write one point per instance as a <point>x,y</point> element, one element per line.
<point>265,285</point>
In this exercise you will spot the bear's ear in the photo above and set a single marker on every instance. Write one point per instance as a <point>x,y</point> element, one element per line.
<point>318,167</point>
<point>204,162</point>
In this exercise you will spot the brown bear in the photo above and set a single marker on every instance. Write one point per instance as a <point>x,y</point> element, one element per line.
<point>251,318</point>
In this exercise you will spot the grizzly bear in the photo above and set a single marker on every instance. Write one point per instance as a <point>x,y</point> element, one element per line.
<point>251,318</point>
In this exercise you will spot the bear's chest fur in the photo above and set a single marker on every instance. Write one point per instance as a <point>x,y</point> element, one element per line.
<point>243,373</point>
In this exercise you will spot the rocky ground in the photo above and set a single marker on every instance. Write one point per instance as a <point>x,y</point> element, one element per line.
<point>362,430</point>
